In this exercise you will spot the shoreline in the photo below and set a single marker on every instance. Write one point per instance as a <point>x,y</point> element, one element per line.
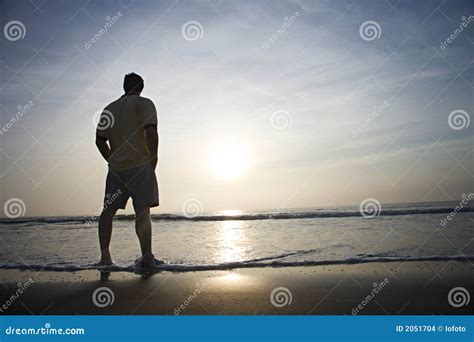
<point>230,266</point>
<point>409,288</point>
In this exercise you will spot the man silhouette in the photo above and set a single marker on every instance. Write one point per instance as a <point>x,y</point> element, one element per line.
<point>127,138</point>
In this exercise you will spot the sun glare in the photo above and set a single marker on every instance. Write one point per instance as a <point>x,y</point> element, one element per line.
<point>227,162</point>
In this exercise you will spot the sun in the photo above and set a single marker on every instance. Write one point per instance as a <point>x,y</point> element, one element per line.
<point>227,162</point>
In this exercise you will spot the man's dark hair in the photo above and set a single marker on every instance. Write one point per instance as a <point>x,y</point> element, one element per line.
<point>133,83</point>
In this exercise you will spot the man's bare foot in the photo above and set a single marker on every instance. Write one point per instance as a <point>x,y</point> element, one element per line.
<point>148,262</point>
<point>159,262</point>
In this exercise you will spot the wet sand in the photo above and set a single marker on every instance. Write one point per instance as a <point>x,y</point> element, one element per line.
<point>404,288</point>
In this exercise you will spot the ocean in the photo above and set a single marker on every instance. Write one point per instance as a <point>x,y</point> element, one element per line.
<point>233,239</point>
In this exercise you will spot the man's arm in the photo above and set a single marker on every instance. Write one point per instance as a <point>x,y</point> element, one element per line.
<point>151,133</point>
<point>103,147</point>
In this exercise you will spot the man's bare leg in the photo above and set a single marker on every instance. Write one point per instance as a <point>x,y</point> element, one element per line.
<point>143,230</point>
<point>105,234</point>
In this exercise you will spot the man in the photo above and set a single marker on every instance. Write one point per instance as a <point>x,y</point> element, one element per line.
<point>127,138</point>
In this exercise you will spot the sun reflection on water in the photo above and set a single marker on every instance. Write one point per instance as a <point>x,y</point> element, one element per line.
<point>230,212</point>
<point>232,238</point>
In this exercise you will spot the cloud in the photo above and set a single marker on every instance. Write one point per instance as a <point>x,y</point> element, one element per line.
<point>227,84</point>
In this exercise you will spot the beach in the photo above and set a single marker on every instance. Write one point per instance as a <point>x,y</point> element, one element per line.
<point>237,171</point>
<point>397,288</point>
<point>291,262</point>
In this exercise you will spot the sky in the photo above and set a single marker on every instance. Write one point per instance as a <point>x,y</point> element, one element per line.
<point>261,104</point>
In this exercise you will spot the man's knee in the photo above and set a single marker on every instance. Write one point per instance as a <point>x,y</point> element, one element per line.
<point>109,212</point>
<point>142,214</point>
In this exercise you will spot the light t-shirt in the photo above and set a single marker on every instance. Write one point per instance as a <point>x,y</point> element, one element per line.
<point>123,124</point>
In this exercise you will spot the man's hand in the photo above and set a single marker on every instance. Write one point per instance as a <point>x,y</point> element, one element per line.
<point>103,147</point>
<point>151,135</point>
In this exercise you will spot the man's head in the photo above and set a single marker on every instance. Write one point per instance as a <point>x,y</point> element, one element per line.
<point>133,84</point>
